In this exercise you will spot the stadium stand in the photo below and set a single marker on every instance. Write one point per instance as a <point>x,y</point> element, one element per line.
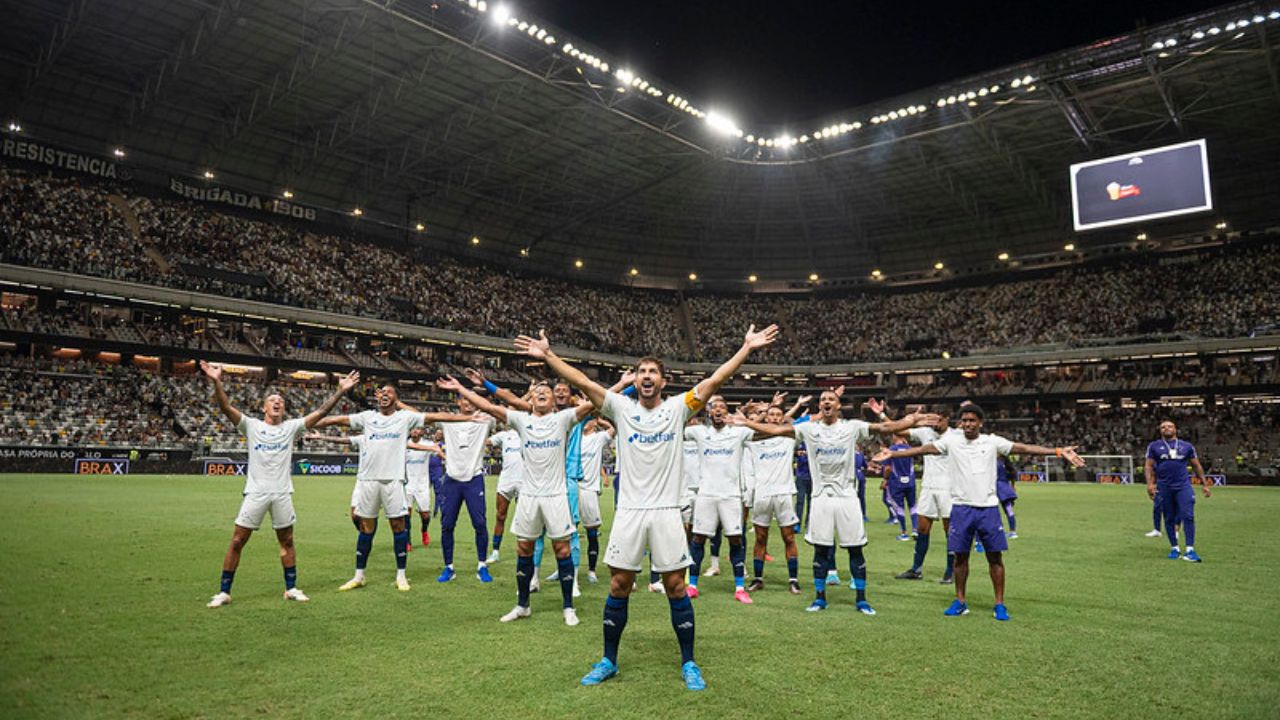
<point>218,253</point>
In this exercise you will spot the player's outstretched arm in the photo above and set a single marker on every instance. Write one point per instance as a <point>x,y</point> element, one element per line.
<point>213,371</point>
<point>434,417</point>
<point>332,421</point>
<point>1066,453</point>
<point>478,380</point>
<point>801,402</point>
<point>344,386</point>
<point>427,446</point>
<point>321,437</point>
<point>925,449</point>
<point>889,427</point>
<point>753,341</point>
<point>540,348</point>
<point>762,429</point>
<point>448,382</point>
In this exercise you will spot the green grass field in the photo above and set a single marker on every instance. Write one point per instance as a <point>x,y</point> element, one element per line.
<point>103,583</point>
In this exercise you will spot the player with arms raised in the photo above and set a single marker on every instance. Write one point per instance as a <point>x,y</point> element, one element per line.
<point>268,486</point>
<point>650,431</point>
<point>834,513</point>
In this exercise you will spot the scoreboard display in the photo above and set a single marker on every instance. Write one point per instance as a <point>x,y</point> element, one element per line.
<point>1145,185</point>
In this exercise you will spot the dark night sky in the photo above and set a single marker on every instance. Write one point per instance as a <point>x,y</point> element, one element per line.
<point>780,62</point>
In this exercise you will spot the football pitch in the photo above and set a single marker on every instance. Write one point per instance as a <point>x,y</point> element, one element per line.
<point>103,583</point>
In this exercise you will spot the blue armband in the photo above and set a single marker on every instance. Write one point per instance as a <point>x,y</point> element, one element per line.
<point>490,388</point>
<point>628,391</point>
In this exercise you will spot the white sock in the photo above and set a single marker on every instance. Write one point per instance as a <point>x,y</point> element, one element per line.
<point>400,574</point>
<point>1190,548</point>
<point>480,566</point>
<point>360,574</point>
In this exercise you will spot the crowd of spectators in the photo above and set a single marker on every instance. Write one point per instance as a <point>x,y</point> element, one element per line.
<point>69,224</point>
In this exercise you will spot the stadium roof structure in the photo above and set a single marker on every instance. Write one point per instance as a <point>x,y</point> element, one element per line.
<point>478,123</point>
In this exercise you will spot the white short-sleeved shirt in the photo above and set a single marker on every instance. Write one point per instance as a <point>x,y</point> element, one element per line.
<point>720,459</point>
<point>771,465</point>
<point>937,468</point>
<point>973,466</point>
<point>508,443</point>
<point>465,440</point>
<point>382,456</point>
<point>831,451</point>
<point>416,465</point>
<point>592,457</point>
<point>270,453</point>
<point>692,468</point>
<point>544,439</point>
<point>650,449</point>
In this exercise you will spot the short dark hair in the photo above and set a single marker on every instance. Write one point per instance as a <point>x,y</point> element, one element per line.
<point>942,410</point>
<point>973,409</point>
<point>662,369</point>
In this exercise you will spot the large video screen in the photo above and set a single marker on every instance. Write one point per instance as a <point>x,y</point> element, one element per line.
<point>1159,183</point>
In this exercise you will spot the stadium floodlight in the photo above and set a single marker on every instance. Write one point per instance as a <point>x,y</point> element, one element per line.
<point>982,92</point>
<point>856,126</point>
<point>633,272</point>
<point>624,75</point>
<point>287,194</point>
<point>721,123</point>
<point>475,240</point>
<point>567,49</point>
<point>357,212</point>
<point>1221,225</point>
<point>522,26</point>
<point>1016,83</point>
<point>14,126</point>
<point>524,252</point>
<point>1069,247</point>
<point>1142,236</point>
<point>1171,42</point>
<point>951,99</point>
<point>938,265</point>
<point>118,152</point>
<point>752,278</point>
<point>208,174</point>
<point>995,88</point>
<point>1214,30</point>
<point>1157,45</point>
<point>813,277</point>
<point>420,227</point>
<point>577,263</point>
<point>1002,257</point>
<point>1197,35</point>
<point>875,274</point>
<point>1274,14</point>
<point>693,276</point>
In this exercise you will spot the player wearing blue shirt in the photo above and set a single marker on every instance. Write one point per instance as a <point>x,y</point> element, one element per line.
<point>900,481</point>
<point>1166,471</point>
<point>804,483</point>
<point>860,470</point>
<point>1006,476</point>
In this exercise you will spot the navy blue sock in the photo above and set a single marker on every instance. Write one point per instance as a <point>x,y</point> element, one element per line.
<point>401,545</point>
<point>922,549</point>
<point>858,568</point>
<point>593,548</point>
<point>408,522</point>
<point>565,567</point>
<point>497,541</point>
<point>524,576</point>
<point>290,577</point>
<point>615,621</point>
<point>228,576</point>
<point>426,522</point>
<point>653,575</point>
<point>757,567</point>
<point>951,564</point>
<point>738,556</point>
<point>915,522</point>
<point>364,546</point>
<point>793,568</point>
<point>1188,531</point>
<point>696,552</point>
<point>682,622</point>
<point>715,545</point>
<point>820,570</point>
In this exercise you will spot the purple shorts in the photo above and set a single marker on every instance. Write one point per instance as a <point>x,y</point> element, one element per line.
<point>968,522</point>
